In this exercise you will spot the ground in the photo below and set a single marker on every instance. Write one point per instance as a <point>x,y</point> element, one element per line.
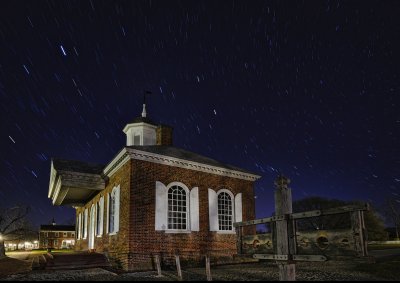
<point>385,268</point>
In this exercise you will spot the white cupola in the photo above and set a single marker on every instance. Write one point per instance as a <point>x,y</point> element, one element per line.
<point>141,131</point>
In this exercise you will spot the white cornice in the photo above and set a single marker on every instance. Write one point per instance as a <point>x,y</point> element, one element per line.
<point>138,125</point>
<point>129,153</point>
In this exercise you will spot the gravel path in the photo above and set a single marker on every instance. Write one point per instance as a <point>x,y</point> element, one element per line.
<point>326,271</point>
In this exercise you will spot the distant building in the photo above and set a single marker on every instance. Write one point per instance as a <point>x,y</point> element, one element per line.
<point>57,236</point>
<point>154,198</point>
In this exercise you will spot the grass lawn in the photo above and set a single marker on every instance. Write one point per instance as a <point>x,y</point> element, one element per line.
<point>10,266</point>
<point>32,252</point>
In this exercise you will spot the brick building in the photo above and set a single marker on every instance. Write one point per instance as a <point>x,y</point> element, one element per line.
<point>56,236</point>
<point>154,198</point>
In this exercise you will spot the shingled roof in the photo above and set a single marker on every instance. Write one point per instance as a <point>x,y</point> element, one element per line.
<point>176,152</point>
<point>78,166</point>
<point>141,119</point>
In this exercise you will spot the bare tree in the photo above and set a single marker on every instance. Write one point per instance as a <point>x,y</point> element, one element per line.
<point>13,225</point>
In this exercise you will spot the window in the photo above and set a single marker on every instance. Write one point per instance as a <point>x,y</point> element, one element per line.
<point>225,212</point>
<point>73,234</point>
<point>84,226</point>
<point>80,226</point>
<point>55,242</point>
<point>64,234</point>
<point>111,214</point>
<point>99,216</point>
<point>136,140</point>
<point>56,234</point>
<point>177,208</point>
<point>113,211</point>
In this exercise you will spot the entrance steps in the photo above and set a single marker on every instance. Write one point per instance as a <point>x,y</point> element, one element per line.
<point>75,260</point>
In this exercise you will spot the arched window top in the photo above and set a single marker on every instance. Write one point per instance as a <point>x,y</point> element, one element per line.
<point>114,190</point>
<point>178,184</point>
<point>226,190</point>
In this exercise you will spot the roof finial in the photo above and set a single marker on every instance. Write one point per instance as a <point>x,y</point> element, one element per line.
<point>144,103</point>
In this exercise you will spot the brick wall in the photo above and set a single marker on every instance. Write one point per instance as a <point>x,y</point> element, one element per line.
<point>164,135</point>
<point>47,239</point>
<point>137,242</point>
<point>145,241</point>
<point>114,246</point>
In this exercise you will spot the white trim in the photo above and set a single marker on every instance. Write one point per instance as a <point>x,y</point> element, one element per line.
<point>118,165</point>
<point>238,208</point>
<point>212,210</point>
<point>128,153</point>
<point>92,226</point>
<point>179,184</point>
<point>228,232</point>
<point>194,209</point>
<point>137,125</point>
<point>161,209</point>
<point>108,212</point>
<point>177,231</point>
<point>101,206</point>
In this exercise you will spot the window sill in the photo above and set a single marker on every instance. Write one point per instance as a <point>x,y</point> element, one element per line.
<point>112,234</point>
<point>177,231</point>
<point>226,232</point>
<point>99,236</point>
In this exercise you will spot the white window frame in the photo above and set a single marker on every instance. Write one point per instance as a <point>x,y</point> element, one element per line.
<point>185,188</point>
<point>232,230</point>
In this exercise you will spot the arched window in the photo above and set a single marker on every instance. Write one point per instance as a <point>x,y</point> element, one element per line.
<point>99,216</point>
<point>85,220</point>
<point>225,211</point>
<point>177,208</point>
<point>113,210</point>
<point>111,213</point>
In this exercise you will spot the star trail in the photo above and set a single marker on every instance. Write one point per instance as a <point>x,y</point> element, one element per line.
<point>307,88</point>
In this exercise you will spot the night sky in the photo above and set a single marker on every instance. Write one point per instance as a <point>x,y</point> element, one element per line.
<point>308,88</point>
